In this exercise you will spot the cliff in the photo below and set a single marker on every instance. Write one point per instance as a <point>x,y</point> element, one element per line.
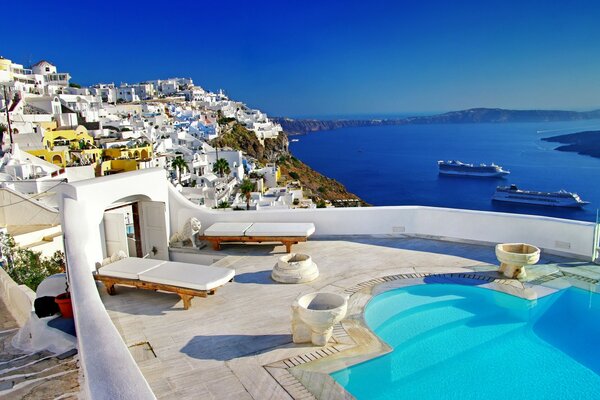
<point>318,186</point>
<point>586,143</point>
<point>473,115</point>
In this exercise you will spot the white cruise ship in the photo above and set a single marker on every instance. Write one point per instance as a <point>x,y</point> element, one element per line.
<point>460,168</point>
<point>561,198</point>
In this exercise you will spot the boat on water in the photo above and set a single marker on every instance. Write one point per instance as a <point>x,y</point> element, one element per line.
<point>295,140</point>
<point>562,198</point>
<point>464,169</point>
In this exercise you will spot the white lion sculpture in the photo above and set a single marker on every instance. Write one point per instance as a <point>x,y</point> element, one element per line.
<point>189,231</point>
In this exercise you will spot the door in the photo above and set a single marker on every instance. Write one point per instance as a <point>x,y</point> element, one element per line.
<point>153,230</point>
<point>115,233</point>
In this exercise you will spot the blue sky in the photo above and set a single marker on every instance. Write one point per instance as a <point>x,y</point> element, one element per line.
<point>299,58</point>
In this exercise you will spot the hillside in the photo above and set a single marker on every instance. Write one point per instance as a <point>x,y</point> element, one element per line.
<point>473,115</point>
<point>318,186</point>
<point>586,143</point>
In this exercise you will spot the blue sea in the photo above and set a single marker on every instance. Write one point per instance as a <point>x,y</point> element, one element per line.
<point>397,165</point>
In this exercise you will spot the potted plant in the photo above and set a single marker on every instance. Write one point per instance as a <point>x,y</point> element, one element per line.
<point>64,302</point>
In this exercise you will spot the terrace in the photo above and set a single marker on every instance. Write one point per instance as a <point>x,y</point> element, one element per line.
<point>231,345</point>
<point>237,343</point>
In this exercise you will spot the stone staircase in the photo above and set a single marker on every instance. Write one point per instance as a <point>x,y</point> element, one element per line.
<point>39,375</point>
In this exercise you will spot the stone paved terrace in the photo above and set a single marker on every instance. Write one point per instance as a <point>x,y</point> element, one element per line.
<point>219,347</point>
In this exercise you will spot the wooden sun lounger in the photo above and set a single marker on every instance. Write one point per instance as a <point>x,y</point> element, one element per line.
<point>185,280</point>
<point>286,233</point>
<point>186,294</point>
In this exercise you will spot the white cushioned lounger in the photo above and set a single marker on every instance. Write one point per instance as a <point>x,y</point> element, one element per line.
<point>227,229</point>
<point>200,277</point>
<point>187,280</point>
<point>288,233</point>
<point>280,229</point>
<point>130,267</point>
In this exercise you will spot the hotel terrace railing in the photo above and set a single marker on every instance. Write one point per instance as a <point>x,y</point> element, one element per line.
<point>109,369</point>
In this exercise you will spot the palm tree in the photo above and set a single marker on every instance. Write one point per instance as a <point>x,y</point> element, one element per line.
<point>179,164</point>
<point>246,188</point>
<point>221,166</point>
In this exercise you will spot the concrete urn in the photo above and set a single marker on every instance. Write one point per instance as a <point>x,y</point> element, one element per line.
<point>313,317</point>
<point>514,257</point>
<point>295,268</point>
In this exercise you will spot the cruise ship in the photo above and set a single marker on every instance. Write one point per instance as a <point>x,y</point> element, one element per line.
<point>562,198</point>
<point>460,168</point>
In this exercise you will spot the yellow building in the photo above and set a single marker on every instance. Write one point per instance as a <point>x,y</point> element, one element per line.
<point>141,152</point>
<point>64,146</point>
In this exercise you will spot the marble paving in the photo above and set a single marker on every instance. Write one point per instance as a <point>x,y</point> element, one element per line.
<point>229,345</point>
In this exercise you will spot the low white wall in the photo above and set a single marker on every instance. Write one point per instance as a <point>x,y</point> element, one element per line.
<point>575,238</point>
<point>17,298</point>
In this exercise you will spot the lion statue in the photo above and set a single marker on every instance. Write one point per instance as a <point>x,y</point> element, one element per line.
<point>188,232</point>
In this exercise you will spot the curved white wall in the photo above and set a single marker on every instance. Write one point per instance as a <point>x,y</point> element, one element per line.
<point>110,371</point>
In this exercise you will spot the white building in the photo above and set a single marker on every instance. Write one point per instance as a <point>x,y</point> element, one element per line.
<point>127,94</point>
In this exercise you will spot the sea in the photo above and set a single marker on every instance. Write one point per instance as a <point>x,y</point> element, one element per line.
<point>397,165</point>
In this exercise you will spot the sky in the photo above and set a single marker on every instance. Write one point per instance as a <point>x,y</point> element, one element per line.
<point>319,58</point>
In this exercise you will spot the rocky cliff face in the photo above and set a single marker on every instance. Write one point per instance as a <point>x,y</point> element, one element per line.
<point>238,137</point>
<point>318,186</point>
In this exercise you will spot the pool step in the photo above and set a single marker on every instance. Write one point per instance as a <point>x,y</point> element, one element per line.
<point>445,342</point>
<point>404,304</point>
<point>420,320</point>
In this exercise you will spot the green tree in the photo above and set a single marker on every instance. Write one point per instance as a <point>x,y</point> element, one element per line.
<point>74,85</point>
<point>28,267</point>
<point>246,188</point>
<point>221,167</point>
<point>223,204</point>
<point>180,165</point>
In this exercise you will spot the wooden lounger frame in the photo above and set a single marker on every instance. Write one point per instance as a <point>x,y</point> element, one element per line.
<point>186,294</point>
<point>288,241</point>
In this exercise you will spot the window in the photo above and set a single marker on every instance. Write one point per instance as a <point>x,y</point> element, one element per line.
<point>47,69</point>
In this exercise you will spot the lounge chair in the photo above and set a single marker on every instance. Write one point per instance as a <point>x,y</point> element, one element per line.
<point>186,280</point>
<point>258,232</point>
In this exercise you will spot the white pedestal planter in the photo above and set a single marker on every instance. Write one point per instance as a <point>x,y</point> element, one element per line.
<point>313,317</point>
<point>295,268</point>
<point>514,257</point>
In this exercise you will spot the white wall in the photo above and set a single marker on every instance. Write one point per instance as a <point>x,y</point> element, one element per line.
<point>18,299</point>
<point>555,235</point>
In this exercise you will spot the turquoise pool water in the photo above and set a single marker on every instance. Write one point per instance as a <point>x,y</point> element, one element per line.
<point>465,342</point>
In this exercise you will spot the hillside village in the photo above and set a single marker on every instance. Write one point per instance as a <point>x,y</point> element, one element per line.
<point>217,152</point>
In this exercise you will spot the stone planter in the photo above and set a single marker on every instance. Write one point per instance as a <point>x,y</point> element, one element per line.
<point>295,268</point>
<point>313,317</point>
<point>514,257</point>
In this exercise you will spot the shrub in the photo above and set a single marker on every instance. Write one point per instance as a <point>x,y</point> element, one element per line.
<point>321,204</point>
<point>294,175</point>
<point>28,267</point>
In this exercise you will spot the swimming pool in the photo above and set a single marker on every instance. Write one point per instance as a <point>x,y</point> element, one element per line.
<point>465,342</point>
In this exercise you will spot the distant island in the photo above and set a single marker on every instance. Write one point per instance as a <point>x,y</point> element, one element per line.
<point>473,115</point>
<point>586,143</point>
